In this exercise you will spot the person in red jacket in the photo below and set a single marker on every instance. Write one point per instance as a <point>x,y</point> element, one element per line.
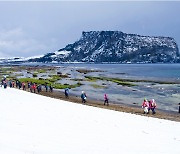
<point>34,88</point>
<point>145,106</point>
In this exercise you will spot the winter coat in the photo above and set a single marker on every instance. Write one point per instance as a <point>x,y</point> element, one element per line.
<point>105,97</point>
<point>145,104</point>
<point>83,96</point>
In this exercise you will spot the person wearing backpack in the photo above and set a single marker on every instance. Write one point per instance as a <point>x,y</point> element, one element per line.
<point>106,100</point>
<point>145,106</point>
<point>153,106</point>
<point>83,97</point>
<point>66,92</point>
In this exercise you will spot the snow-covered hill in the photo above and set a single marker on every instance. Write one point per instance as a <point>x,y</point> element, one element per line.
<point>34,124</point>
<point>116,46</point>
<point>18,59</point>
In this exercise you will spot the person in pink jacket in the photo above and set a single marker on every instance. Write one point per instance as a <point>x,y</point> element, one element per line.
<point>145,106</point>
<point>153,106</point>
<point>106,100</point>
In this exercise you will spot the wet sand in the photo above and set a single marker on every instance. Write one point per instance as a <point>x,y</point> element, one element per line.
<point>173,116</point>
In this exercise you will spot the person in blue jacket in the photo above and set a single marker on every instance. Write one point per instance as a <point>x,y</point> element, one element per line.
<point>83,97</point>
<point>66,92</point>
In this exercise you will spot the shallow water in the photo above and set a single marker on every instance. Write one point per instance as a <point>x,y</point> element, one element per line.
<point>166,95</point>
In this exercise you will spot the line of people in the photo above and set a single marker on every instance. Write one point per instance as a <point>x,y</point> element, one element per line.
<point>146,105</point>
<point>84,96</point>
<point>32,87</point>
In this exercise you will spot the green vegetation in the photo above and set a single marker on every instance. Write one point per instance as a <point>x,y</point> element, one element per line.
<point>116,80</point>
<point>60,86</point>
<point>5,70</point>
<point>48,82</point>
<point>54,78</point>
<point>87,71</point>
<point>127,82</point>
<point>33,80</point>
<point>77,79</point>
<point>35,75</point>
<point>41,71</point>
<point>97,86</point>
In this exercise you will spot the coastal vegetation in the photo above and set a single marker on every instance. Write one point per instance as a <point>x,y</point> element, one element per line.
<point>85,71</point>
<point>116,80</point>
<point>128,82</point>
<point>96,86</point>
<point>49,82</point>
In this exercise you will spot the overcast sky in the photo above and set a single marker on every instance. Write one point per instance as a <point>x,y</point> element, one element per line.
<point>35,28</point>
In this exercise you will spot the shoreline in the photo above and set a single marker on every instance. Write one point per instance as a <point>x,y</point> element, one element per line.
<point>161,114</point>
<point>95,80</point>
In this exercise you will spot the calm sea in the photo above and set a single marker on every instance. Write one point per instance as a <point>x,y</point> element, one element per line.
<point>151,71</point>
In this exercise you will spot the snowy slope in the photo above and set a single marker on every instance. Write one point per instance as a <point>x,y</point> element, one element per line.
<point>34,124</point>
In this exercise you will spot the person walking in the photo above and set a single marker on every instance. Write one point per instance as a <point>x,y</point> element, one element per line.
<point>106,101</point>
<point>46,87</point>
<point>34,87</point>
<point>83,97</point>
<point>66,92</point>
<point>50,88</point>
<point>39,88</point>
<point>153,106</point>
<point>5,84</point>
<point>24,85</point>
<point>145,106</point>
<point>10,84</point>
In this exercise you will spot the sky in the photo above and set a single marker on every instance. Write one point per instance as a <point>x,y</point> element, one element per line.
<point>31,28</point>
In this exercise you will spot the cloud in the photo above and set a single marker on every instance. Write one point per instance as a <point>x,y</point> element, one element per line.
<point>35,28</point>
<point>15,42</point>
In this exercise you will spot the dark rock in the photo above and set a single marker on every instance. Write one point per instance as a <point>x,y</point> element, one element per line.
<point>116,46</point>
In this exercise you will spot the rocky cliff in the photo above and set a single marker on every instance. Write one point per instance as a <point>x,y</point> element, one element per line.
<point>116,46</point>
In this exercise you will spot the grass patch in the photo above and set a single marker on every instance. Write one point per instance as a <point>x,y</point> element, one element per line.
<point>48,82</point>
<point>37,81</point>
<point>128,82</point>
<point>77,79</point>
<point>41,71</point>
<point>97,86</point>
<point>85,71</point>
<point>35,75</point>
<point>116,80</point>
<point>54,78</point>
<point>60,86</point>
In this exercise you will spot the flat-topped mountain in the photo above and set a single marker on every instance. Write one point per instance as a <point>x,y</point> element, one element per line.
<point>116,46</point>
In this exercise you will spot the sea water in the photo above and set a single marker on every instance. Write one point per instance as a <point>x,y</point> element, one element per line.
<point>167,96</point>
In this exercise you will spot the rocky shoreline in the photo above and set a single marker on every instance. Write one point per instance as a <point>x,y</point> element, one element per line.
<point>96,83</point>
<point>173,116</point>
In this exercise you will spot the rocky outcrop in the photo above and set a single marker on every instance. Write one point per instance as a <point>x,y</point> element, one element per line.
<point>116,46</point>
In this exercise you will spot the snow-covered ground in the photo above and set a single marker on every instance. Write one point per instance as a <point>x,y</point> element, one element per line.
<point>34,124</point>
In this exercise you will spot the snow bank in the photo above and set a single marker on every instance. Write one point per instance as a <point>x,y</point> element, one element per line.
<point>34,124</point>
